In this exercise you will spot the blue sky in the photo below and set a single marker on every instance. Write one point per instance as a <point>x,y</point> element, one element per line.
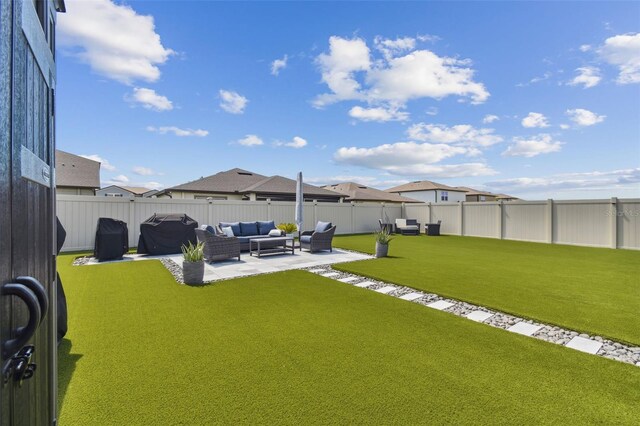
<point>535,99</point>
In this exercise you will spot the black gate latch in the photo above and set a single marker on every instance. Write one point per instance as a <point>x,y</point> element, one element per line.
<point>19,366</point>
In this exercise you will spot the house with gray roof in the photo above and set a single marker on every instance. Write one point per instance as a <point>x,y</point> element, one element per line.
<point>429,192</point>
<point>359,193</point>
<point>125,191</point>
<point>240,184</point>
<point>76,175</point>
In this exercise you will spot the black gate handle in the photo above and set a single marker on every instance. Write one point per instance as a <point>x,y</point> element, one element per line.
<point>23,334</point>
<point>40,292</point>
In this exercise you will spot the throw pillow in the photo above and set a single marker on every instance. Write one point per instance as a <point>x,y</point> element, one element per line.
<point>228,231</point>
<point>234,225</point>
<point>248,228</point>
<point>322,226</point>
<point>275,233</point>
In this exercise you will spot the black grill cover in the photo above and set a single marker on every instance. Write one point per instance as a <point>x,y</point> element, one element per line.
<point>165,233</point>
<point>112,239</point>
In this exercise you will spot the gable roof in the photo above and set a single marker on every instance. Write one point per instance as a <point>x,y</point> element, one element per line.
<point>137,190</point>
<point>282,185</point>
<point>471,191</point>
<point>229,182</point>
<point>422,185</point>
<point>75,171</point>
<point>358,192</point>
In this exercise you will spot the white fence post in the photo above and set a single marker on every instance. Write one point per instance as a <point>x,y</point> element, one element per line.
<point>429,214</point>
<point>461,217</point>
<point>500,220</point>
<point>210,213</point>
<point>549,216</point>
<point>132,221</point>
<point>614,222</point>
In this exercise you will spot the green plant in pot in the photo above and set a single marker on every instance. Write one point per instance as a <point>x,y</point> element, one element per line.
<point>287,228</point>
<point>193,263</point>
<point>382,243</point>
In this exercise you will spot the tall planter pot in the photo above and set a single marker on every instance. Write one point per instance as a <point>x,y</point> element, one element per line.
<point>382,249</point>
<point>193,272</point>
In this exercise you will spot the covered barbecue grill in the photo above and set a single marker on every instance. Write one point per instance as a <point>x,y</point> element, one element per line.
<point>112,239</point>
<point>165,233</point>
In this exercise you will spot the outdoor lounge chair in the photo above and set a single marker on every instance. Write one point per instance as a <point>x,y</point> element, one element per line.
<point>407,227</point>
<point>218,247</point>
<point>319,239</point>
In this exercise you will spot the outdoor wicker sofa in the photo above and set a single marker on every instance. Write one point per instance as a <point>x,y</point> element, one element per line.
<point>407,227</point>
<point>318,239</point>
<point>218,247</point>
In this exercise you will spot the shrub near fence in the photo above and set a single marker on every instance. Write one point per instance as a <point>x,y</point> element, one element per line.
<point>611,222</point>
<point>79,214</point>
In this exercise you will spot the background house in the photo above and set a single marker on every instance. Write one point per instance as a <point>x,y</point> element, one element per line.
<point>239,184</point>
<point>76,175</point>
<point>428,191</point>
<point>475,195</point>
<point>359,193</point>
<point>125,191</point>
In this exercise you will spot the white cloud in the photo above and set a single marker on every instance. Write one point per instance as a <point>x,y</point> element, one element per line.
<point>463,134</point>
<point>350,74</point>
<point>232,102</point>
<point>535,119</point>
<point>587,76</point>
<point>104,163</point>
<point>432,111</point>
<point>446,171</point>
<point>614,179</point>
<point>113,39</point>
<point>490,118</point>
<point>163,130</point>
<point>532,146</point>
<point>379,114</point>
<point>536,79</point>
<point>390,48</point>
<point>149,99</point>
<point>371,181</point>
<point>585,47</point>
<point>278,65</point>
<point>583,117</point>
<point>565,126</point>
<point>397,155</point>
<point>120,179</point>
<point>623,51</point>
<point>152,185</point>
<point>144,171</point>
<point>297,142</point>
<point>428,38</point>
<point>250,140</point>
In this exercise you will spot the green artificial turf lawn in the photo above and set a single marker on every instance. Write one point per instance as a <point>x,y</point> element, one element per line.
<point>296,348</point>
<point>587,289</point>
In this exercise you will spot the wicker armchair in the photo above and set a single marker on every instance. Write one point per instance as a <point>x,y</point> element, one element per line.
<point>218,247</point>
<point>316,241</point>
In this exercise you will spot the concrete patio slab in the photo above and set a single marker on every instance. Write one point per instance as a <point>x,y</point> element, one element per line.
<point>385,290</point>
<point>584,345</point>
<point>479,316</point>
<point>411,296</point>
<point>364,284</point>
<point>330,274</point>
<point>348,279</point>
<point>317,270</point>
<point>524,328</point>
<point>440,305</point>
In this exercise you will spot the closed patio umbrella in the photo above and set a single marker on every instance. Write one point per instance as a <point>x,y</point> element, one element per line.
<point>299,206</point>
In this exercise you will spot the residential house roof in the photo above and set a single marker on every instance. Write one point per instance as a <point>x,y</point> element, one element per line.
<point>471,191</point>
<point>135,190</point>
<point>75,171</point>
<point>240,181</point>
<point>422,185</point>
<point>358,192</point>
<point>506,197</point>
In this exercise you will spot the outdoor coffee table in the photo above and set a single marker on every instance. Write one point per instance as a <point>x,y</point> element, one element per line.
<point>271,245</point>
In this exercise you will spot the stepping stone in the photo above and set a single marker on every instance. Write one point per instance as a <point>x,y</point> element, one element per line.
<point>411,296</point>
<point>364,284</point>
<point>524,328</point>
<point>315,271</point>
<point>585,345</point>
<point>330,274</point>
<point>479,316</point>
<point>348,279</point>
<point>385,290</point>
<point>440,305</point>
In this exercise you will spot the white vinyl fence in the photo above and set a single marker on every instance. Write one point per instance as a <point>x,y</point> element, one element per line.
<point>613,223</point>
<point>79,214</point>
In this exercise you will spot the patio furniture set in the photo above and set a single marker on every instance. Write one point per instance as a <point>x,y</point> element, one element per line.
<point>228,239</point>
<point>409,227</point>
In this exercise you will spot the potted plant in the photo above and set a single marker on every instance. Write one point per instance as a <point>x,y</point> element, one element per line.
<point>288,228</point>
<point>193,263</point>
<point>382,242</point>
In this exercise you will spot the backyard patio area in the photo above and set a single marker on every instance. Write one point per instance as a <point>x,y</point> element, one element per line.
<point>293,347</point>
